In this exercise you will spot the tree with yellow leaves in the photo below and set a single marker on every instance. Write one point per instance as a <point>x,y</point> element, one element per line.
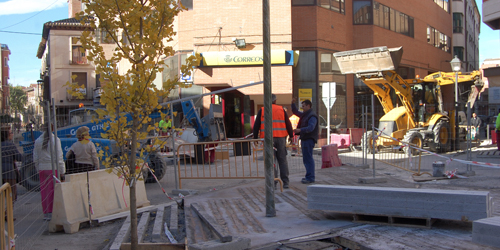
<point>139,30</point>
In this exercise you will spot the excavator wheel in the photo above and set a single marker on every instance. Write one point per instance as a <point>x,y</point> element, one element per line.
<point>29,174</point>
<point>414,138</point>
<point>159,167</point>
<point>442,136</point>
<point>367,142</point>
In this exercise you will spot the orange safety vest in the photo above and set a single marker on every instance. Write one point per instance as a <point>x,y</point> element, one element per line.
<point>279,125</point>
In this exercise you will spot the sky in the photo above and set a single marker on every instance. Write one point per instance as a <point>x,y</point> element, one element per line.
<point>21,25</point>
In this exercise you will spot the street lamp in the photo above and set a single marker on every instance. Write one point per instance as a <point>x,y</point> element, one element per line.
<point>456,64</point>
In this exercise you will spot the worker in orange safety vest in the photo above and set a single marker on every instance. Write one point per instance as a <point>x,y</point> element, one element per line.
<point>281,129</point>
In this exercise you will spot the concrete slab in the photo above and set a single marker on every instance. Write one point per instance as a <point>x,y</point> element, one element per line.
<point>158,223</point>
<point>371,180</point>
<point>459,205</point>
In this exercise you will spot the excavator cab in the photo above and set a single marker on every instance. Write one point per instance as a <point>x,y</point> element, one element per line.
<point>426,102</point>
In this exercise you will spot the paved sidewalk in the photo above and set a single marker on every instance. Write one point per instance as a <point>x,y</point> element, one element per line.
<point>241,206</point>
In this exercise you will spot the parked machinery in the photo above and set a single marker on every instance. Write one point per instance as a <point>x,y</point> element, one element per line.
<point>417,115</point>
<point>210,128</point>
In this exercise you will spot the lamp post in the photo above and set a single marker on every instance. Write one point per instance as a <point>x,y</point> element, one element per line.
<point>456,64</point>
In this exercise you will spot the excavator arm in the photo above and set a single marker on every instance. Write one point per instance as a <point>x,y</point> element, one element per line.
<point>448,78</point>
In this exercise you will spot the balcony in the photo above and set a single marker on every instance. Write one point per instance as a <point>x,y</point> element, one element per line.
<point>491,14</point>
<point>88,95</point>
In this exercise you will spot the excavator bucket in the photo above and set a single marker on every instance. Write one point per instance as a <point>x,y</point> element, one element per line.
<point>371,60</point>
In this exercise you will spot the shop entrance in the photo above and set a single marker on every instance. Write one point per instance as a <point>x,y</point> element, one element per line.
<point>236,110</point>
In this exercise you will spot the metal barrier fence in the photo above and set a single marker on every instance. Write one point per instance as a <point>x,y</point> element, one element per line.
<point>396,157</point>
<point>219,160</point>
<point>7,241</point>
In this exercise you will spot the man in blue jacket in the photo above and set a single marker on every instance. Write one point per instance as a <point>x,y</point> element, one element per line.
<point>307,129</point>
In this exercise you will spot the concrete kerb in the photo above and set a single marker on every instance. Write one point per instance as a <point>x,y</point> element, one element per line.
<point>184,192</point>
<point>362,166</point>
<point>236,244</point>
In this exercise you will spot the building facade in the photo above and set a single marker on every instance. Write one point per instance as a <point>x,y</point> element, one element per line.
<point>34,112</point>
<point>304,35</point>
<point>491,13</point>
<point>310,31</point>
<point>4,65</point>
<point>491,66</point>
<point>63,61</point>
<point>466,29</point>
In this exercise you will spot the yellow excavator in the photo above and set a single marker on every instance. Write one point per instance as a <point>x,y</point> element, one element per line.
<point>417,116</point>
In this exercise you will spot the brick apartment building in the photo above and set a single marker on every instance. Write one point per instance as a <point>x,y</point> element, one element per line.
<point>4,74</point>
<point>310,31</point>
<point>304,34</point>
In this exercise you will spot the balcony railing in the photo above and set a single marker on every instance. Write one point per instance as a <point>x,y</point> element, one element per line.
<point>88,95</point>
<point>79,60</point>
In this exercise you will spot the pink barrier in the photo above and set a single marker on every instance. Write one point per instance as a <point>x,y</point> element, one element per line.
<point>330,156</point>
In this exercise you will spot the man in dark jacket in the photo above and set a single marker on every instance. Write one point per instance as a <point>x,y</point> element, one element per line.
<point>308,129</point>
<point>475,122</point>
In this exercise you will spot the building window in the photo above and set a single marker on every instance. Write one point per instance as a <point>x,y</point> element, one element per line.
<point>187,3</point>
<point>103,37</point>
<point>303,2</point>
<point>438,39</point>
<point>335,5</point>
<point>362,12</point>
<point>328,64</point>
<point>392,19</point>
<point>459,52</point>
<point>444,4</point>
<point>5,62</point>
<point>125,40</point>
<point>457,22</point>
<point>80,78</point>
<point>78,54</point>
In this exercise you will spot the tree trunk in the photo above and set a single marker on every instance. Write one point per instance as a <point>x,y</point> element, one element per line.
<point>134,241</point>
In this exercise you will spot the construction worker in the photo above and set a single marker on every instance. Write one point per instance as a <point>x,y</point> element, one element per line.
<point>497,129</point>
<point>281,129</point>
<point>165,126</point>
